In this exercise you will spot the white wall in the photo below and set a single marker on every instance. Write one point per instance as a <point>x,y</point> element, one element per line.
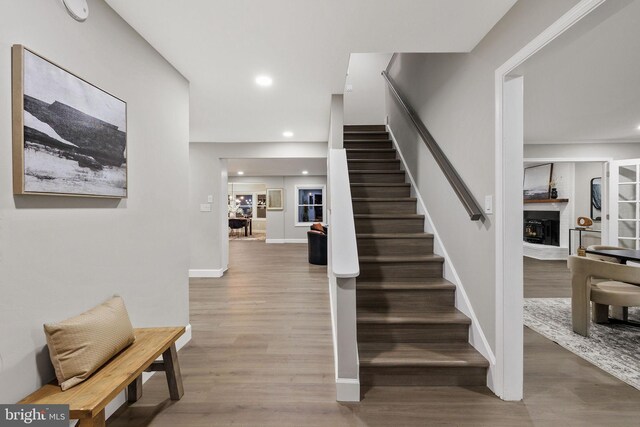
<point>207,163</point>
<point>615,151</point>
<point>364,102</point>
<point>60,256</point>
<point>454,96</point>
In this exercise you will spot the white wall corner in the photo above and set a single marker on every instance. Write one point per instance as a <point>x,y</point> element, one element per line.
<point>477,338</point>
<point>347,390</point>
<point>198,273</point>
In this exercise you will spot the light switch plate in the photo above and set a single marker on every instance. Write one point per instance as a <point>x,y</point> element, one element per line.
<point>205,207</point>
<point>488,205</point>
<point>210,199</point>
<point>348,88</point>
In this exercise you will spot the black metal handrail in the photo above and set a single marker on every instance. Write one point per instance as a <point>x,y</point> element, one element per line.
<point>458,185</point>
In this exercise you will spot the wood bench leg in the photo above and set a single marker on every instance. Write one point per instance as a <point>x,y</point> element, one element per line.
<point>172,369</point>
<point>97,421</point>
<point>134,390</point>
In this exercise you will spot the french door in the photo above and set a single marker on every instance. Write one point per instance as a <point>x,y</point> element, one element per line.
<point>624,190</point>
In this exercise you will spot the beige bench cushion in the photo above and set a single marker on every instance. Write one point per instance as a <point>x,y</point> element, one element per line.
<point>81,345</point>
<point>616,293</point>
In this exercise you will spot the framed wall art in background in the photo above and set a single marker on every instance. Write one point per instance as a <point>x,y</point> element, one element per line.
<point>537,181</point>
<point>275,199</point>
<point>69,136</point>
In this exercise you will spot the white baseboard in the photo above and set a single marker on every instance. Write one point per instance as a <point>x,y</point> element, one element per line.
<point>477,337</point>
<point>286,240</point>
<point>545,252</point>
<point>121,399</point>
<point>207,273</point>
<point>347,390</point>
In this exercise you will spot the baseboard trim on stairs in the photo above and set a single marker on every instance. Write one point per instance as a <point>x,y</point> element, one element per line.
<point>219,272</point>
<point>477,338</point>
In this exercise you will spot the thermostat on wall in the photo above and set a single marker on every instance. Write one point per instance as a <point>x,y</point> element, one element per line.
<point>78,9</point>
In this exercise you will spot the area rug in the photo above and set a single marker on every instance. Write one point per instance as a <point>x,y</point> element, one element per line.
<point>614,348</point>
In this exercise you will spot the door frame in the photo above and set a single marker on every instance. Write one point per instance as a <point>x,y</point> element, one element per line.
<point>508,374</point>
<point>613,187</point>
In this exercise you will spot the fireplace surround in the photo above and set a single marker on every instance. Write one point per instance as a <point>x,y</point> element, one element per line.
<point>542,227</point>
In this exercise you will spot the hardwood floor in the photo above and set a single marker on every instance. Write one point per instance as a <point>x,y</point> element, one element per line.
<point>261,355</point>
<point>546,279</point>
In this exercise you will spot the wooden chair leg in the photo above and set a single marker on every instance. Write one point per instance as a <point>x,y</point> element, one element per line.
<point>600,313</point>
<point>97,421</point>
<point>172,370</point>
<point>134,390</point>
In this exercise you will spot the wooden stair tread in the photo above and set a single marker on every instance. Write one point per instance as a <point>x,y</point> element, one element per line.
<point>380,184</point>
<point>394,236</point>
<point>377,132</point>
<point>384,172</point>
<point>388,216</point>
<point>377,150</point>
<point>424,284</point>
<point>384,199</point>
<point>373,160</point>
<point>401,258</point>
<point>420,355</point>
<point>434,316</point>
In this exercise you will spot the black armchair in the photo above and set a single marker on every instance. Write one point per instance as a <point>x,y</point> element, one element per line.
<point>317,242</point>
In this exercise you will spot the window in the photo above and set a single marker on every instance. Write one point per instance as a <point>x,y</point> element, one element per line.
<point>309,204</point>
<point>245,204</point>
<point>261,206</point>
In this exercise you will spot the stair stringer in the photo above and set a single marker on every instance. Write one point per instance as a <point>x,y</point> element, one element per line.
<point>477,337</point>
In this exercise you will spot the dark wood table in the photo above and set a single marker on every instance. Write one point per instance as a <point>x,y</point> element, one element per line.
<point>623,255</point>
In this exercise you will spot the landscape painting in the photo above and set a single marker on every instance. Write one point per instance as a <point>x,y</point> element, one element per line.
<point>70,137</point>
<point>537,181</point>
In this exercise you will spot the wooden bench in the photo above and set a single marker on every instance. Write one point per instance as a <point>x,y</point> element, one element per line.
<point>88,399</point>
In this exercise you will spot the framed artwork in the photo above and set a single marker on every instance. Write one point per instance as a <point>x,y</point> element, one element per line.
<point>596,199</point>
<point>275,199</point>
<point>69,136</point>
<point>537,181</point>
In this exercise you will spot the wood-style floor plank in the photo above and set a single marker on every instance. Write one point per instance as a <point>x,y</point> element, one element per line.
<point>261,355</point>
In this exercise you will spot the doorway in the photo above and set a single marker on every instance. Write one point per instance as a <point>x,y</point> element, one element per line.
<point>513,128</point>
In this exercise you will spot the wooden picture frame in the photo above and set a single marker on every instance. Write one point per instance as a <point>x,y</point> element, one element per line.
<point>69,136</point>
<point>275,199</point>
<point>537,182</point>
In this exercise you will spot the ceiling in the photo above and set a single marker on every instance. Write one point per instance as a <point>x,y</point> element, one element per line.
<point>585,86</point>
<point>304,45</point>
<point>277,167</point>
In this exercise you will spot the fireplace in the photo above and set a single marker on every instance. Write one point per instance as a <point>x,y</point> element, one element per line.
<point>542,227</point>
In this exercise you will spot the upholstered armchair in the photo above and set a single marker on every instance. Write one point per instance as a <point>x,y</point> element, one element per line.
<point>620,287</point>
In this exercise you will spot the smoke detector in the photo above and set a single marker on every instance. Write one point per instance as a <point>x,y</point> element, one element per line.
<point>78,9</point>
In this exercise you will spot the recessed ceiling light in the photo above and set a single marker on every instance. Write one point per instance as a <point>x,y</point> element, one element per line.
<point>240,173</point>
<point>287,134</point>
<point>264,81</point>
<point>305,172</point>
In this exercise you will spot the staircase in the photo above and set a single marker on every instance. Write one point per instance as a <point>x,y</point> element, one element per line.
<point>409,331</point>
